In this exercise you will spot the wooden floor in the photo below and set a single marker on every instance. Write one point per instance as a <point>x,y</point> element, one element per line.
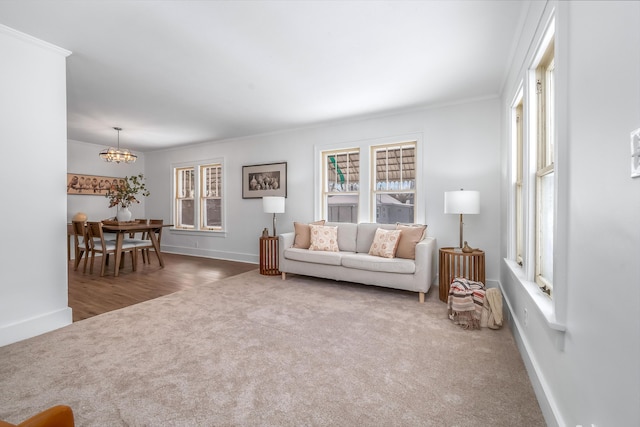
<point>90,294</point>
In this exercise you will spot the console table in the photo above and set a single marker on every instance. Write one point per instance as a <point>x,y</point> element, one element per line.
<point>269,256</point>
<point>455,263</point>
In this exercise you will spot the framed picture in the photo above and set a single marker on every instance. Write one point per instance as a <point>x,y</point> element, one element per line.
<point>264,180</point>
<point>92,185</point>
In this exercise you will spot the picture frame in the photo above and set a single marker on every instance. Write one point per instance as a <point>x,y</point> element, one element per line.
<point>268,179</point>
<point>91,185</point>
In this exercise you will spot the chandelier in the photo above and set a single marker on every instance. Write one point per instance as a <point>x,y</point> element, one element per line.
<point>117,155</point>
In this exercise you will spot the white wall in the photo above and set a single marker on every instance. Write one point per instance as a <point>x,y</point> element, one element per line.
<point>588,375</point>
<point>83,158</point>
<point>461,149</point>
<point>33,131</point>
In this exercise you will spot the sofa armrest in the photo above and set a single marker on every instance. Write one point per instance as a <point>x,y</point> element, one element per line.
<point>426,254</point>
<point>285,241</point>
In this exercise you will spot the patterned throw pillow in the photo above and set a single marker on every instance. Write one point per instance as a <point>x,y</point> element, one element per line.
<point>324,238</point>
<point>409,238</point>
<point>302,237</point>
<point>385,243</point>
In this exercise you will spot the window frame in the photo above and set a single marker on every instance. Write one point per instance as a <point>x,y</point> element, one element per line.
<point>179,183</point>
<point>198,168</point>
<point>364,203</point>
<point>518,124</point>
<point>545,164</point>
<point>326,192</point>
<point>374,171</point>
<point>219,195</point>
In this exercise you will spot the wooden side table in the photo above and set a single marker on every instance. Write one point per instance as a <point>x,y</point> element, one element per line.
<point>269,256</point>
<point>455,263</point>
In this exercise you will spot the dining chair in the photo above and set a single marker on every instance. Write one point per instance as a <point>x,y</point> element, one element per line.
<point>158,232</point>
<point>81,244</point>
<point>142,234</point>
<point>98,244</point>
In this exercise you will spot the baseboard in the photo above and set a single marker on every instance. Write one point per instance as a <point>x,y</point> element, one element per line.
<point>208,253</point>
<point>548,407</point>
<point>33,326</point>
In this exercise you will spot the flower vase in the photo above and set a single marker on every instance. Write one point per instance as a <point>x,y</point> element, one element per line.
<point>124,214</point>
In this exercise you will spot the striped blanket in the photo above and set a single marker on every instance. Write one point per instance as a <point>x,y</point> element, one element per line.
<point>465,302</point>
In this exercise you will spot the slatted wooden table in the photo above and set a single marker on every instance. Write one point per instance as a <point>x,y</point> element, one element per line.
<point>455,263</point>
<point>269,256</point>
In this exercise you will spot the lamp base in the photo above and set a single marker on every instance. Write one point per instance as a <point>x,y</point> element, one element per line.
<point>274,225</point>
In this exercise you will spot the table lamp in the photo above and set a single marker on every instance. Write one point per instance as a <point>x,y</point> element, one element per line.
<point>461,202</point>
<point>274,205</point>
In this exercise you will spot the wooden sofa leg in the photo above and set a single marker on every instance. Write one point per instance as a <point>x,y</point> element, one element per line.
<point>284,275</point>
<point>420,295</point>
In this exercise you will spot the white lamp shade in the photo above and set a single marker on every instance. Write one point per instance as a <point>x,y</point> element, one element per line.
<point>462,202</point>
<point>273,204</point>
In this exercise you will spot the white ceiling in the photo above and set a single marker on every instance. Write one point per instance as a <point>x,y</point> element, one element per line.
<point>181,72</point>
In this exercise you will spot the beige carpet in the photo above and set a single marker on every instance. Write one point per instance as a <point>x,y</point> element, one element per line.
<point>252,350</point>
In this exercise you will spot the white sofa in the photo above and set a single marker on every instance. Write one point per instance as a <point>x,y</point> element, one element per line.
<point>353,263</point>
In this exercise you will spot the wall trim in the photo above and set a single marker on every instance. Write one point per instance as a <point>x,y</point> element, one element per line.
<point>33,40</point>
<point>209,253</point>
<point>548,405</point>
<point>33,326</point>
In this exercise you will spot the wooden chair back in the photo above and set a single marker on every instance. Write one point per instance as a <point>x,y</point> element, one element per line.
<point>99,244</point>
<point>81,243</point>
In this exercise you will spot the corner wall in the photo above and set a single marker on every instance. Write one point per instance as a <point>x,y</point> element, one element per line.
<point>588,375</point>
<point>33,277</point>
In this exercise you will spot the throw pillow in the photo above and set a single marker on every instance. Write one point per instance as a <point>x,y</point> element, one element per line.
<point>323,238</point>
<point>302,237</point>
<point>385,243</point>
<point>409,238</point>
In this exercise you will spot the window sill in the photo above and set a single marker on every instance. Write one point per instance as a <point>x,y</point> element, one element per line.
<point>541,300</point>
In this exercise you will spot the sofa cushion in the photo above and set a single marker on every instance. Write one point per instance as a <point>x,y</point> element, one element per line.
<point>366,233</point>
<point>347,232</point>
<point>317,257</point>
<point>324,238</point>
<point>302,238</point>
<point>375,263</point>
<point>409,238</point>
<point>385,243</point>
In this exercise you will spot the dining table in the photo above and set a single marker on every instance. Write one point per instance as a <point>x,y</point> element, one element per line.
<point>123,228</point>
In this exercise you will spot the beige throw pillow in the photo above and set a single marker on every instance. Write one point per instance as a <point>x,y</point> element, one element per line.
<point>302,237</point>
<point>409,238</point>
<point>324,238</point>
<point>385,243</point>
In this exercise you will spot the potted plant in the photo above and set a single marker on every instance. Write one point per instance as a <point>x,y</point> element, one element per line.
<point>125,192</point>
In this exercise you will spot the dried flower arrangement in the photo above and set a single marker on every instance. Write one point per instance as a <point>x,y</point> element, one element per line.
<point>124,194</point>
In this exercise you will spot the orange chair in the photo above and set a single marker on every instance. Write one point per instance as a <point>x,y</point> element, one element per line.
<point>56,416</point>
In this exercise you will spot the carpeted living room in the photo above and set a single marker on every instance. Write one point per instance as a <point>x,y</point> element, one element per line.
<point>256,350</point>
<point>231,119</point>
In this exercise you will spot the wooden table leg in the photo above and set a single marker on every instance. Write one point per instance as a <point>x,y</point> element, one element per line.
<point>156,246</point>
<point>118,254</point>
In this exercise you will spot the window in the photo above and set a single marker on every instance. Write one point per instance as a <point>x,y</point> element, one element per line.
<point>394,183</point>
<point>545,179</point>
<point>341,185</point>
<point>199,203</point>
<point>371,181</point>
<point>211,197</point>
<point>185,206</point>
<point>518,120</point>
